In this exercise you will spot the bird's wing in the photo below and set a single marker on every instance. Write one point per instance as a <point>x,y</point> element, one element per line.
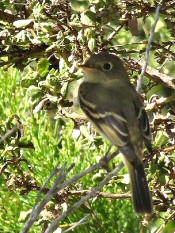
<point>143,124</point>
<point>143,121</point>
<point>111,124</point>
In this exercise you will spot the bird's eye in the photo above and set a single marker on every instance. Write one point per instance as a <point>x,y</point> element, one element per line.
<point>107,66</point>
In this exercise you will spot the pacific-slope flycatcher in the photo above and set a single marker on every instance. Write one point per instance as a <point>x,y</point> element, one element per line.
<point>111,102</point>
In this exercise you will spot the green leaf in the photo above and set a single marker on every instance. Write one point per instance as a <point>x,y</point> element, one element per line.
<point>79,5</point>
<point>170,227</point>
<point>86,133</point>
<point>33,90</point>
<point>91,44</point>
<point>43,67</point>
<point>88,18</point>
<point>160,139</point>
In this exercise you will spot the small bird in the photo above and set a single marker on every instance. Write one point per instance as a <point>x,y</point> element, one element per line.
<point>111,102</point>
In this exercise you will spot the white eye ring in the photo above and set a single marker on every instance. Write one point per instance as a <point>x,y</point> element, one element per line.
<point>107,66</point>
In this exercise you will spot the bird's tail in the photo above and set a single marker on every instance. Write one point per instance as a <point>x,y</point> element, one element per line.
<point>140,191</point>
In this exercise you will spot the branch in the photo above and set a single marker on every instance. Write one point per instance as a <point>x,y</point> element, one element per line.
<point>113,34</point>
<point>9,134</point>
<point>4,16</point>
<point>100,194</point>
<point>54,224</point>
<point>160,102</point>
<point>79,223</point>
<point>164,50</point>
<point>156,76</point>
<point>38,208</point>
<point>140,80</point>
<point>58,186</point>
<point>87,171</point>
<point>152,73</point>
<point>171,216</point>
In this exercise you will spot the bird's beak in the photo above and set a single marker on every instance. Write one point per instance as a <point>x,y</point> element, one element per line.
<point>83,67</point>
<point>86,68</point>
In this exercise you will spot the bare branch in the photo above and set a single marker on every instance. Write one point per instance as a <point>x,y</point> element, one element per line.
<point>140,80</point>
<point>160,102</point>
<point>159,77</point>
<point>37,209</point>
<point>87,171</point>
<point>54,224</point>
<point>77,224</point>
<point>5,16</point>
<point>100,194</point>
<point>171,216</point>
<point>153,74</point>
<point>58,185</point>
<point>43,188</point>
<point>8,134</point>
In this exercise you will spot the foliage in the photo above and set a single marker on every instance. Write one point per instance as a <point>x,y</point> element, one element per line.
<point>41,44</point>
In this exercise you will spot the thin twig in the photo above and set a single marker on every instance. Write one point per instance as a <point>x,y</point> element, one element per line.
<point>100,194</point>
<point>140,80</point>
<point>160,102</point>
<point>77,224</point>
<point>159,77</point>
<point>37,209</point>
<point>171,216</point>
<point>53,173</point>
<point>58,185</point>
<point>8,134</point>
<point>54,224</point>
<point>113,34</point>
<point>7,17</point>
<point>152,73</point>
<point>87,171</point>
